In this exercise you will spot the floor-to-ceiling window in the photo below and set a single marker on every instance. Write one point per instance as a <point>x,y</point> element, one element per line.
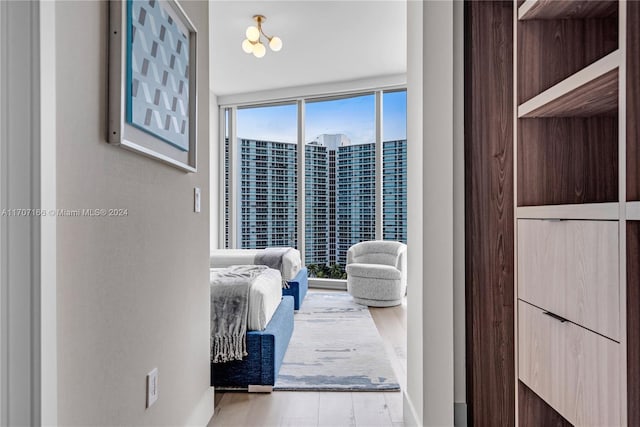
<point>354,158</point>
<point>265,167</point>
<point>339,180</point>
<point>394,166</point>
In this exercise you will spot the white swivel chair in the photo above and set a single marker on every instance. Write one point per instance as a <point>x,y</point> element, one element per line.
<point>377,272</point>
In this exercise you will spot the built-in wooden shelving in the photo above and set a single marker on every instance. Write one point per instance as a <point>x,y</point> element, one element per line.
<point>577,157</point>
<point>588,211</point>
<point>589,92</point>
<point>555,9</point>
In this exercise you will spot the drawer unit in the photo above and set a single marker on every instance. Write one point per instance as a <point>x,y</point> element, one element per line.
<point>571,268</point>
<point>573,369</point>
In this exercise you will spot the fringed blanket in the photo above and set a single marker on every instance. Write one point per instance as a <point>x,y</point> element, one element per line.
<point>229,311</point>
<point>272,257</point>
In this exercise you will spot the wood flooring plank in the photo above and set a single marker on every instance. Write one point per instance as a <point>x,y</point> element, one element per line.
<point>371,410</point>
<point>302,406</point>
<point>336,409</point>
<point>388,326</point>
<point>267,409</point>
<point>394,404</point>
<point>299,422</point>
<point>232,411</point>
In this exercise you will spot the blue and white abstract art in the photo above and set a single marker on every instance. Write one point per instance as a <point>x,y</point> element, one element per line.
<point>158,72</point>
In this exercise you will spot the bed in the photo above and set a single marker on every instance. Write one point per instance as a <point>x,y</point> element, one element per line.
<point>269,328</point>
<point>291,268</point>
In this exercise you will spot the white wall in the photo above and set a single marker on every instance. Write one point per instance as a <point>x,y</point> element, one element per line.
<point>216,195</point>
<point>19,235</point>
<point>48,224</point>
<point>434,127</point>
<point>413,396</point>
<point>133,291</point>
<point>459,305</point>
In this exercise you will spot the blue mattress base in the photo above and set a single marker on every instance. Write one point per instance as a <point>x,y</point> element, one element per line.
<point>298,287</point>
<point>266,350</point>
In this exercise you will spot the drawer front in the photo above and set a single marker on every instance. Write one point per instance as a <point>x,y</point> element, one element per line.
<point>571,269</point>
<point>574,370</point>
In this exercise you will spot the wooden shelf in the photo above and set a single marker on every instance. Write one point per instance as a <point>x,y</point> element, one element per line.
<point>554,9</point>
<point>591,91</point>
<point>594,211</point>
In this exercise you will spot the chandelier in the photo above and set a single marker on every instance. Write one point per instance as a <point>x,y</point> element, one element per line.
<point>253,43</point>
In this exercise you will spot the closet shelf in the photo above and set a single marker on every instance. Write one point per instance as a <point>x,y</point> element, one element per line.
<point>591,91</point>
<point>554,9</point>
<point>593,211</point>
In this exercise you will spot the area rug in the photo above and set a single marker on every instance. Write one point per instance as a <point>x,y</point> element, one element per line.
<point>335,347</point>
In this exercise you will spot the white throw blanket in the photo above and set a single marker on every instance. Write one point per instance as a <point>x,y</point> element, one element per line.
<point>229,311</point>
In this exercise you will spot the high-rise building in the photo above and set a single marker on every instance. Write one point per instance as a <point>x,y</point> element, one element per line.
<point>322,199</point>
<point>356,196</point>
<point>319,236</point>
<point>339,195</point>
<point>268,188</point>
<point>394,190</point>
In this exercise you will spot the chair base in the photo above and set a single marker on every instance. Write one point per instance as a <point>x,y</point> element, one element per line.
<point>377,303</point>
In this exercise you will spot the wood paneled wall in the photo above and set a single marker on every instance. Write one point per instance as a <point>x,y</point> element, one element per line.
<point>567,44</point>
<point>489,219</point>
<point>567,160</point>
<point>535,412</point>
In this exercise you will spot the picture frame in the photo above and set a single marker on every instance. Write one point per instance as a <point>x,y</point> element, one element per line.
<point>153,81</point>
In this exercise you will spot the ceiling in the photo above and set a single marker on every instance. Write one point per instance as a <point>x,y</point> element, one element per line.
<point>323,42</point>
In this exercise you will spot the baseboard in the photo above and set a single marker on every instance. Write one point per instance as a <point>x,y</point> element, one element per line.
<point>203,412</point>
<point>336,284</point>
<point>411,418</point>
<point>460,414</point>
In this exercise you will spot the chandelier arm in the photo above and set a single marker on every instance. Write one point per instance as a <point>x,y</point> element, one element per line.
<point>259,19</point>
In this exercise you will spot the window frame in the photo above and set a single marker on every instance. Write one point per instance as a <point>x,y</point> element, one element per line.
<point>228,117</point>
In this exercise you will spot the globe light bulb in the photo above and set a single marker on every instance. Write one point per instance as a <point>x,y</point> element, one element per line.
<point>259,50</point>
<point>253,34</point>
<point>247,46</point>
<point>275,44</point>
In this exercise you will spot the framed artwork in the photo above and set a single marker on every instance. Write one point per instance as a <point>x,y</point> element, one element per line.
<point>152,80</point>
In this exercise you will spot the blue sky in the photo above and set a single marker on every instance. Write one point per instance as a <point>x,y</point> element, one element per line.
<point>354,117</point>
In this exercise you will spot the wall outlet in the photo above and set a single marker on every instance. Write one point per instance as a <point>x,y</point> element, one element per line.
<point>152,387</point>
<point>196,199</point>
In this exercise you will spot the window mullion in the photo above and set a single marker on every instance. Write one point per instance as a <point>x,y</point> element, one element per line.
<point>378,167</point>
<point>301,178</point>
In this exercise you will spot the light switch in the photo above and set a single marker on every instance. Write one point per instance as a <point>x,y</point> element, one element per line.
<point>196,199</point>
<point>152,387</point>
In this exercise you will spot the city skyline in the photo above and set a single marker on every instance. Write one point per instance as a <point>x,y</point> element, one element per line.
<point>339,195</point>
<point>353,117</point>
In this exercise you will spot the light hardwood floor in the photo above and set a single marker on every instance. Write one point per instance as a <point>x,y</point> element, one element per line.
<point>326,409</point>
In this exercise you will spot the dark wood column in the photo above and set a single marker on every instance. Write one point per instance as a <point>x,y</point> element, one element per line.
<point>489,212</point>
